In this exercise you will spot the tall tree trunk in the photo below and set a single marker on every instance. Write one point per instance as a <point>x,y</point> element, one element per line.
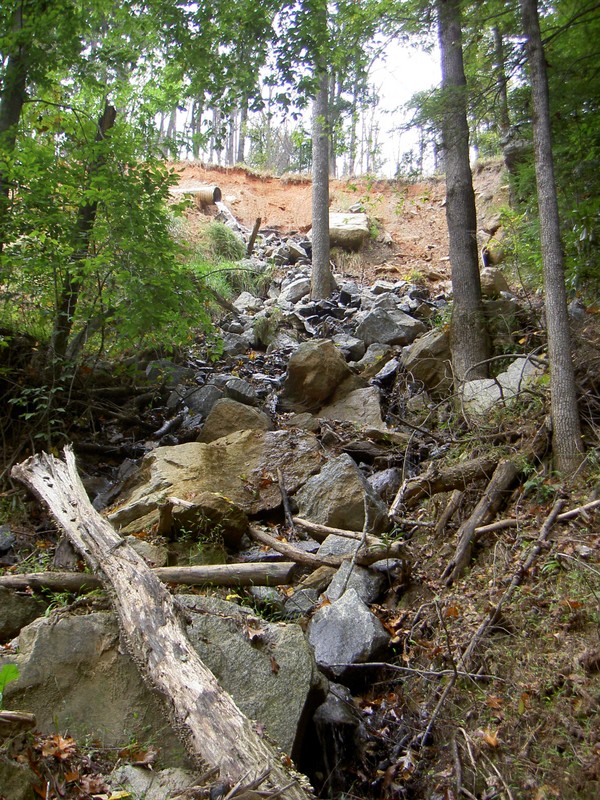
<point>567,444</point>
<point>322,279</point>
<point>73,281</point>
<point>241,149</point>
<point>501,82</point>
<point>12,98</point>
<point>469,340</point>
<point>353,123</point>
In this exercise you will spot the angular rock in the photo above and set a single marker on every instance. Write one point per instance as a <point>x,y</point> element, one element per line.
<point>234,344</point>
<point>428,360</point>
<point>16,780</point>
<point>314,372</point>
<point>239,466</point>
<point>493,282</point>
<point>296,290</point>
<point>246,302</point>
<point>344,633</point>
<point>348,230</point>
<point>209,515</point>
<point>367,583</point>
<point>481,396</point>
<point>337,497</point>
<point>241,391</point>
<point>352,348</point>
<point>74,676</point>
<point>227,416</point>
<point>151,784</point>
<point>388,327</point>
<point>200,401</point>
<point>361,406</point>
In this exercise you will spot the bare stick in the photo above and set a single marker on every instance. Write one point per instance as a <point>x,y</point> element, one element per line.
<point>253,236</point>
<point>452,507</point>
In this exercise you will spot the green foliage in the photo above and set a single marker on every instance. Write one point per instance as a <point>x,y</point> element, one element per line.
<point>224,244</point>
<point>8,673</point>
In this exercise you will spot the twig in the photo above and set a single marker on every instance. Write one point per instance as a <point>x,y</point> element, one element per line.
<point>502,524</point>
<point>423,673</point>
<point>452,507</point>
<point>457,766</point>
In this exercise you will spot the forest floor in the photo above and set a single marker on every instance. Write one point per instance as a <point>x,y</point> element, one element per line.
<point>522,723</point>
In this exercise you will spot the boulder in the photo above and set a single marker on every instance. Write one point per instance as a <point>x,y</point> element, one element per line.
<point>200,401</point>
<point>295,291</point>
<point>345,633</point>
<point>241,391</point>
<point>493,282</point>
<point>388,327</point>
<point>338,495</point>
<point>348,231</point>
<point>314,372</point>
<point>206,515</point>
<point>228,416</point>
<point>17,781</point>
<point>366,582</point>
<point>240,466</point>
<point>151,784</point>
<point>362,406</point>
<point>481,396</point>
<point>247,302</point>
<point>75,675</point>
<point>428,360</point>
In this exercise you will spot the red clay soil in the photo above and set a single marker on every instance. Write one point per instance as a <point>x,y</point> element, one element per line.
<point>408,219</point>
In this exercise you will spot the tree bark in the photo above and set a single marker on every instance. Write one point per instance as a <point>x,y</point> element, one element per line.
<point>209,722</point>
<point>212,574</point>
<point>469,340</point>
<point>12,99</point>
<point>322,279</point>
<point>567,444</point>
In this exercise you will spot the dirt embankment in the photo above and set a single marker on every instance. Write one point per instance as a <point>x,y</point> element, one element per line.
<point>408,219</point>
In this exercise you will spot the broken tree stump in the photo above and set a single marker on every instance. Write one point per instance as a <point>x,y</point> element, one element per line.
<point>210,724</point>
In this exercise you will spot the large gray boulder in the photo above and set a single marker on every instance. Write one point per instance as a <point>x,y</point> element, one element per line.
<point>17,610</point>
<point>348,230</point>
<point>345,633</point>
<point>237,466</point>
<point>428,360</point>
<point>479,397</point>
<point>75,675</point>
<point>338,495</point>
<point>362,406</point>
<point>227,416</point>
<point>314,372</point>
<point>388,326</point>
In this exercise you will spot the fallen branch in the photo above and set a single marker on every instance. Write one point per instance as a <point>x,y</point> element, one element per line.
<point>503,524</point>
<point>213,574</point>
<point>494,496</point>
<point>461,476</point>
<point>367,556</point>
<point>208,721</point>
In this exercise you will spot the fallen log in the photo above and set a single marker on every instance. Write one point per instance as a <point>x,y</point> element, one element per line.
<point>494,496</point>
<point>366,555</point>
<point>211,574</point>
<point>433,481</point>
<point>210,724</point>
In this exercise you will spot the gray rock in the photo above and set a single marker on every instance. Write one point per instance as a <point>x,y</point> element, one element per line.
<point>241,651</point>
<point>386,483</point>
<point>155,555</point>
<point>164,371</point>
<point>481,396</point>
<point>227,416</point>
<point>348,230</point>
<point>314,372</point>
<point>365,582</point>
<point>337,497</point>
<point>16,611</point>
<point>234,344</point>
<point>361,406</point>
<point>241,391</point>
<point>296,251</point>
<point>493,282</point>
<point>295,291</point>
<point>338,546</point>
<point>344,633</point>
<point>339,729</point>
<point>428,360</point>
<point>74,676</point>
<point>301,602</point>
<point>385,327</point>
<point>200,401</point>
<point>233,466</point>
<point>247,302</point>
<point>207,516</point>
<point>352,348</point>
<point>16,780</point>
<point>150,784</point>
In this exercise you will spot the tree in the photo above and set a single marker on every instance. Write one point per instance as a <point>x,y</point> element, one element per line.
<point>469,341</point>
<point>322,283</point>
<point>566,431</point>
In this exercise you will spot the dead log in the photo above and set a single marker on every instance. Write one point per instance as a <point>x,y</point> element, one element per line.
<point>493,498</point>
<point>212,574</point>
<point>366,555</point>
<point>433,481</point>
<point>208,721</point>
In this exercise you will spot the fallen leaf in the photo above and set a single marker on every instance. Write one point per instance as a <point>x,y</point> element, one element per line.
<point>59,747</point>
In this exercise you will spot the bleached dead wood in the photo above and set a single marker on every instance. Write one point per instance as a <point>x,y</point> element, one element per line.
<point>209,722</point>
<point>212,574</point>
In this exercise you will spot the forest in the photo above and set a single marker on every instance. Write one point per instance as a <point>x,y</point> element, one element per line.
<point>386,438</point>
